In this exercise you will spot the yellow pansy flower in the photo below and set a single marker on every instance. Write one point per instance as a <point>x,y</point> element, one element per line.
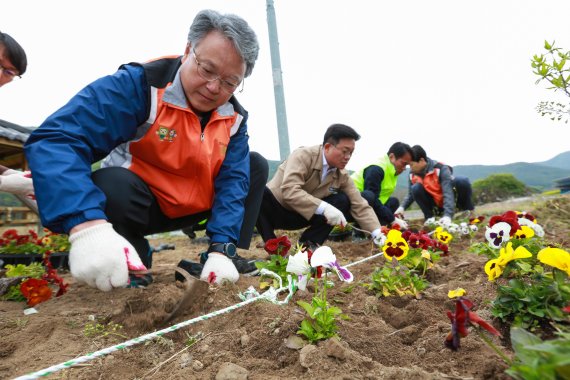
<point>524,232</point>
<point>494,268</point>
<point>443,236</point>
<point>555,257</point>
<point>395,245</point>
<point>459,292</point>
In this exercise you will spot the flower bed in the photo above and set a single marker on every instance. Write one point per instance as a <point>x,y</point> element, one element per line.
<point>29,248</point>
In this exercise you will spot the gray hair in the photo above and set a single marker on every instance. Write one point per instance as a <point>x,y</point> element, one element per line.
<point>233,28</point>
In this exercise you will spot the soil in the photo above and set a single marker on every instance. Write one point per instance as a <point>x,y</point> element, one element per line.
<point>385,338</point>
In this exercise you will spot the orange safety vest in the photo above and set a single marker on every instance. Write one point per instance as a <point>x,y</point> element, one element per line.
<point>176,158</point>
<point>431,184</point>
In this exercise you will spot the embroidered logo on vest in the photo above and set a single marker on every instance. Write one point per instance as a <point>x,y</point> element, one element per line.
<point>166,134</point>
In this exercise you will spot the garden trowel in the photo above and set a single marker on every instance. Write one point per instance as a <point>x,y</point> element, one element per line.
<point>195,291</point>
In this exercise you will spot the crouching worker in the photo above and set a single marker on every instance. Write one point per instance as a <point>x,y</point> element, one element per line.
<point>311,188</point>
<point>175,147</point>
<point>435,189</point>
<point>377,183</point>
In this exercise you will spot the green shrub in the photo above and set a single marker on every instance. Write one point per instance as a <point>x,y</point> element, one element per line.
<point>498,187</point>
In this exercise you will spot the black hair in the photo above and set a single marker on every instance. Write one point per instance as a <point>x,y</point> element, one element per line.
<point>400,149</point>
<point>14,52</point>
<point>418,153</point>
<point>339,131</point>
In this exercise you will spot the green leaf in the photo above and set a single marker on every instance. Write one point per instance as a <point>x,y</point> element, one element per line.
<point>307,307</point>
<point>547,46</point>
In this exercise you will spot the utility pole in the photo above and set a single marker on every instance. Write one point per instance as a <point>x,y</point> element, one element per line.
<point>282,131</point>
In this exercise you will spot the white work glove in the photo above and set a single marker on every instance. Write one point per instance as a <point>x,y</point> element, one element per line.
<point>102,258</point>
<point>20,184</point>
<point>219,268</point>
<point>399,211</point>
<point>400,222</point>
<point>378,237</point>
<point>334,216</point>
<point>429,221</point>
<point>16,182</point>
<point>445,221</point>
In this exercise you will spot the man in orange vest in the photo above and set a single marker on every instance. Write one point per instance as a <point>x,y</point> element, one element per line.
<point>174,142</point>
<point>435,189</point>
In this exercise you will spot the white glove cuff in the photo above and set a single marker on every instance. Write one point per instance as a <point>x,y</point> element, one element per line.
<point>10,172</point>
<point>91,233</point>
<point>376,233</point>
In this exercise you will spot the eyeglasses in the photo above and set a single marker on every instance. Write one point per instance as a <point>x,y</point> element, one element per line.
<point>208,73</point>
<point>9,73</point>
<point>346,152</point>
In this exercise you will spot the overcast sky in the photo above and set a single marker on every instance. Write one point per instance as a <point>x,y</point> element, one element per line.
<point>453,76</point>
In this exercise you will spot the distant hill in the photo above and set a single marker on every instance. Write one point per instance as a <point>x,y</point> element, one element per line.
<point>540,175</point>
<point>562,161</point>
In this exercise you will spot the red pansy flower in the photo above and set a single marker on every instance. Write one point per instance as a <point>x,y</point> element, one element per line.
<point>278,246</point>
<point>35,291</point>
<point>509,217</point>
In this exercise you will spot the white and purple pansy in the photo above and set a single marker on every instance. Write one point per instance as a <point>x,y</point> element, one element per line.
<point>323,256</point>
<point>498,234</point>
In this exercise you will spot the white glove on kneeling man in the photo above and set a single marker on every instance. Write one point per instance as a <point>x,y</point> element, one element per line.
<point>219,268</point>
<point>334,216</point>
<point>102,258</point>
<point>402,223</point>
<point>378,237</point>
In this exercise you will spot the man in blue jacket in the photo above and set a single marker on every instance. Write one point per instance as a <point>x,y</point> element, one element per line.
<point>175,147</point>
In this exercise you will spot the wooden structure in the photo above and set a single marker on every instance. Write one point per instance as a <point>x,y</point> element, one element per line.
<point>12,139</point>
<point>20,218</point>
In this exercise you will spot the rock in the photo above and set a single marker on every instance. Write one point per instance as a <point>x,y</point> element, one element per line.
<point>244,340</point>
<point>335,349</point>
<point>306,354</point>
<point>185,360</point>
<point>197,365</point>
<point>421,351</point>
<point>203,349</point>
<point>294,342</point>
<point>231,371</point>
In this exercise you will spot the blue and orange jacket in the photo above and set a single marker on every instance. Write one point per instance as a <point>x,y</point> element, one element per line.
<point>436,179</point>
<point>138,118</point>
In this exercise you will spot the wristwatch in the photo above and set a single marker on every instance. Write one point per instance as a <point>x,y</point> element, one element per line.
<point>228,249</point>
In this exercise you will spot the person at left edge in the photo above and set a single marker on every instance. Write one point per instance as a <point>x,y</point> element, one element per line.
<point>13,64</point>
<point>175,146</point>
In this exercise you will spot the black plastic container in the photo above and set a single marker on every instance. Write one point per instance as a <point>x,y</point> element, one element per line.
<point>59,260</point>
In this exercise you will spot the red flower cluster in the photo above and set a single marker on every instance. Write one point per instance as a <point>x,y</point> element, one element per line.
<point>51,276</point>
<point>460,321</point>
<point>35,291</point>
<point>422,240</point>
<point>13,236</point>
<point>278,246</point>
<point>509,217</point>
